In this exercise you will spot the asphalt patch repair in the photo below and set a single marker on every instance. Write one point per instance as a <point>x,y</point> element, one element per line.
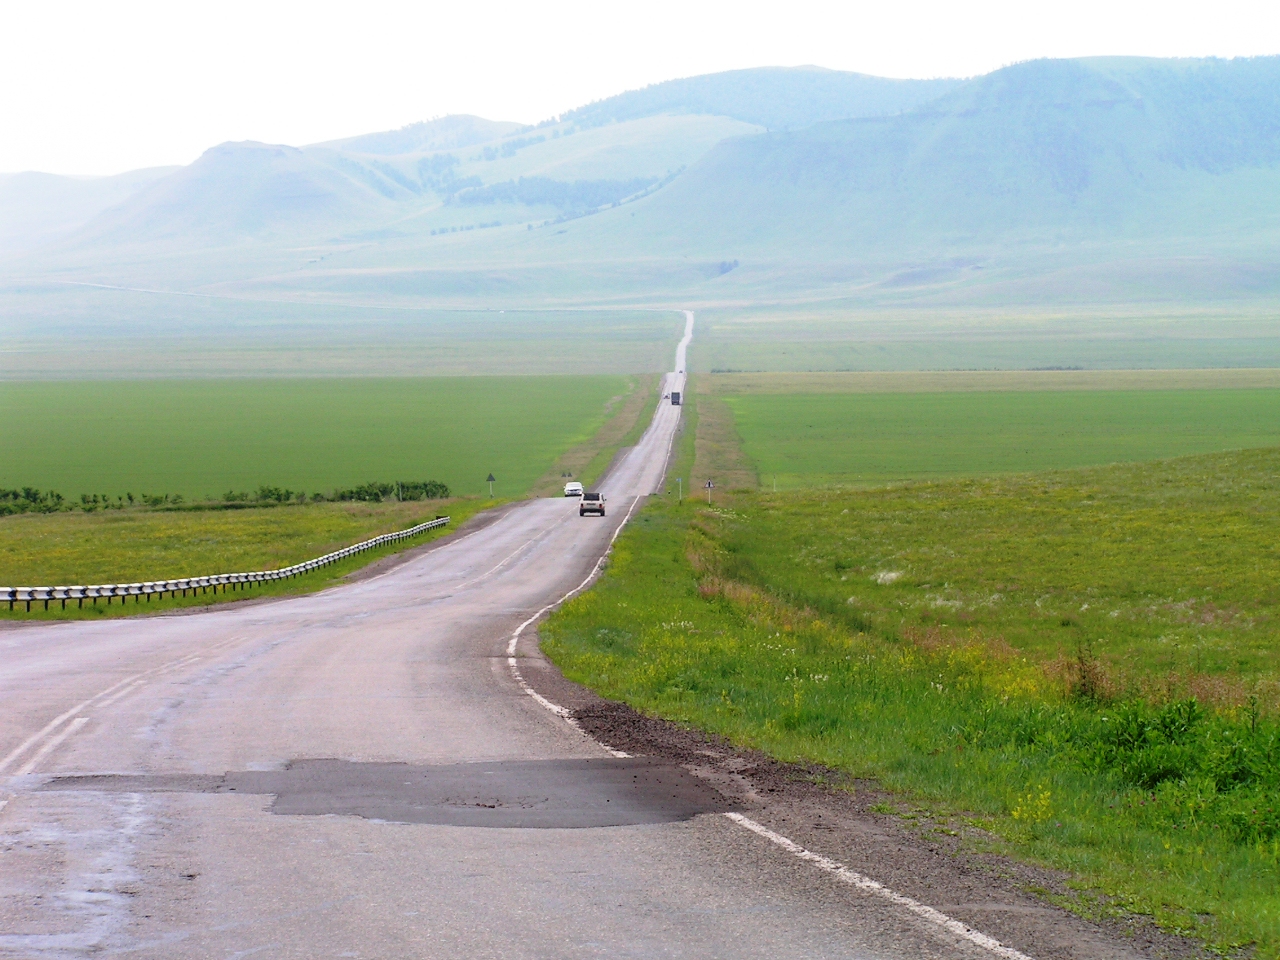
<point>546,794</point>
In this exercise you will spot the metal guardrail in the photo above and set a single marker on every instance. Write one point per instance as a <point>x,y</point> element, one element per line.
<point>235,581</point>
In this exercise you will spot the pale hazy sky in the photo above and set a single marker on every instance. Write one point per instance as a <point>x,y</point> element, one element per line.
<point>92,88</point>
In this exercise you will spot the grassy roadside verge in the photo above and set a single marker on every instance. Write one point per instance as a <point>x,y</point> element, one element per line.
<point>626,418</point>
<point>892,634</point>
<point>718,453</point>
<point>132,546</point>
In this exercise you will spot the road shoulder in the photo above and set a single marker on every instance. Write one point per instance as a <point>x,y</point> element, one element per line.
<point>825,811</point>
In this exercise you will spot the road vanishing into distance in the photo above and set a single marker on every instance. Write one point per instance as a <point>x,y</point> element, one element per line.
<point>364,772</point>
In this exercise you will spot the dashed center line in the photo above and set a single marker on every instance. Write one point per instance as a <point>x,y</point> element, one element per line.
<point>51,744</point>
<point>53,737</point>
<point>59,720</point>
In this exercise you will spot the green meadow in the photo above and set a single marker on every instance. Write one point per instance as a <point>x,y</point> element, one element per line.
<point>805,440</point>
<point>130,546</point>
<point>201,438</point>
<point>1075,667</point>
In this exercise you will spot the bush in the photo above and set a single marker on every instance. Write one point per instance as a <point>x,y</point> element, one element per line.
<point>28,500</point>
<point>269,494</point>
<point>376,492</point>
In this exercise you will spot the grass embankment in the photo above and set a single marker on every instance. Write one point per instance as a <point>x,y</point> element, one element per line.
<point>984,424</point>
<point>135,545</point>
<point>1082,663</point>
<point>199,438</point>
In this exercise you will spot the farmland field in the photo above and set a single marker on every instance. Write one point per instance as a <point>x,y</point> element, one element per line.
<point>858,438</point>
<point>855,335</point>
<point>384,325</point>
<point>199,438</point>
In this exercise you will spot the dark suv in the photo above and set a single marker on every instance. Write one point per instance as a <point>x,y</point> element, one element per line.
<point>591,503</point>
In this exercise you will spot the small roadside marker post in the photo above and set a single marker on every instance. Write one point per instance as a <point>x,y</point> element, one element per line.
<point>679,489</point>
<point>710,487</point>
<point>490,482</point>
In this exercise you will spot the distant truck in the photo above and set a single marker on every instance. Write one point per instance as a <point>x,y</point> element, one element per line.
<point>675,398</point>
<point>591,503</point>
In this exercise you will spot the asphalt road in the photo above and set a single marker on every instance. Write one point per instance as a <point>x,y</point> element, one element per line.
<point>358,773</point>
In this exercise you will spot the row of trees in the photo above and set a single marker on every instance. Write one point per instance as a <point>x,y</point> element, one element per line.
<point>34,500</point>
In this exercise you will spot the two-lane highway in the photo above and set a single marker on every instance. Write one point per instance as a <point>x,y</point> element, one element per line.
<point>358,773</point>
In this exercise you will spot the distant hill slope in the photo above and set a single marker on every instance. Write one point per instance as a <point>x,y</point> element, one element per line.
<point>238,191</point>
<point>38,208</point>
<point>1105,149</point>
<point>777,98</point>
<point>430,136</point>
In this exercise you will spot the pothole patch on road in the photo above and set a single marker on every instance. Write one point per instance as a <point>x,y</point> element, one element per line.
<point>545,794</point>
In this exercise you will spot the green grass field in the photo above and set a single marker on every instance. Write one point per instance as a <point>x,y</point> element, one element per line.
<point>816,439</point>
<point>1081,663</point>
<point>130,546</point>
<point>201,438</point>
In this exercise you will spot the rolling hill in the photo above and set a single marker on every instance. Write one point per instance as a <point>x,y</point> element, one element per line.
<point>39,208</point>
<point>242,191</point>
<point>776,98</point>
<point>1110,150</point>
<point>430,136</point>
<point>407,181</point>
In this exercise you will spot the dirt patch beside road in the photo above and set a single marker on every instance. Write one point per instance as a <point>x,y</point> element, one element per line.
<point>937,863</point>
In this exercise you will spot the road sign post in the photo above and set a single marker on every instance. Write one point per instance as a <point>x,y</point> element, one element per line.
<point>710,487</point>
<point>490,481</point>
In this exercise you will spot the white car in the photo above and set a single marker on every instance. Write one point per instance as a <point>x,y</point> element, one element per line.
<point>573,489</point>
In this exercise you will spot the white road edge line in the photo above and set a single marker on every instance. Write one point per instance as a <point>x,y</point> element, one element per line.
<point>563,712</point>
<point>52,745</point>
<point>855,879</point>
<point>838,870</point>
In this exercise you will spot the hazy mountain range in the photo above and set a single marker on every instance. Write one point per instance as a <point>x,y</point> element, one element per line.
<point>905,182</point>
